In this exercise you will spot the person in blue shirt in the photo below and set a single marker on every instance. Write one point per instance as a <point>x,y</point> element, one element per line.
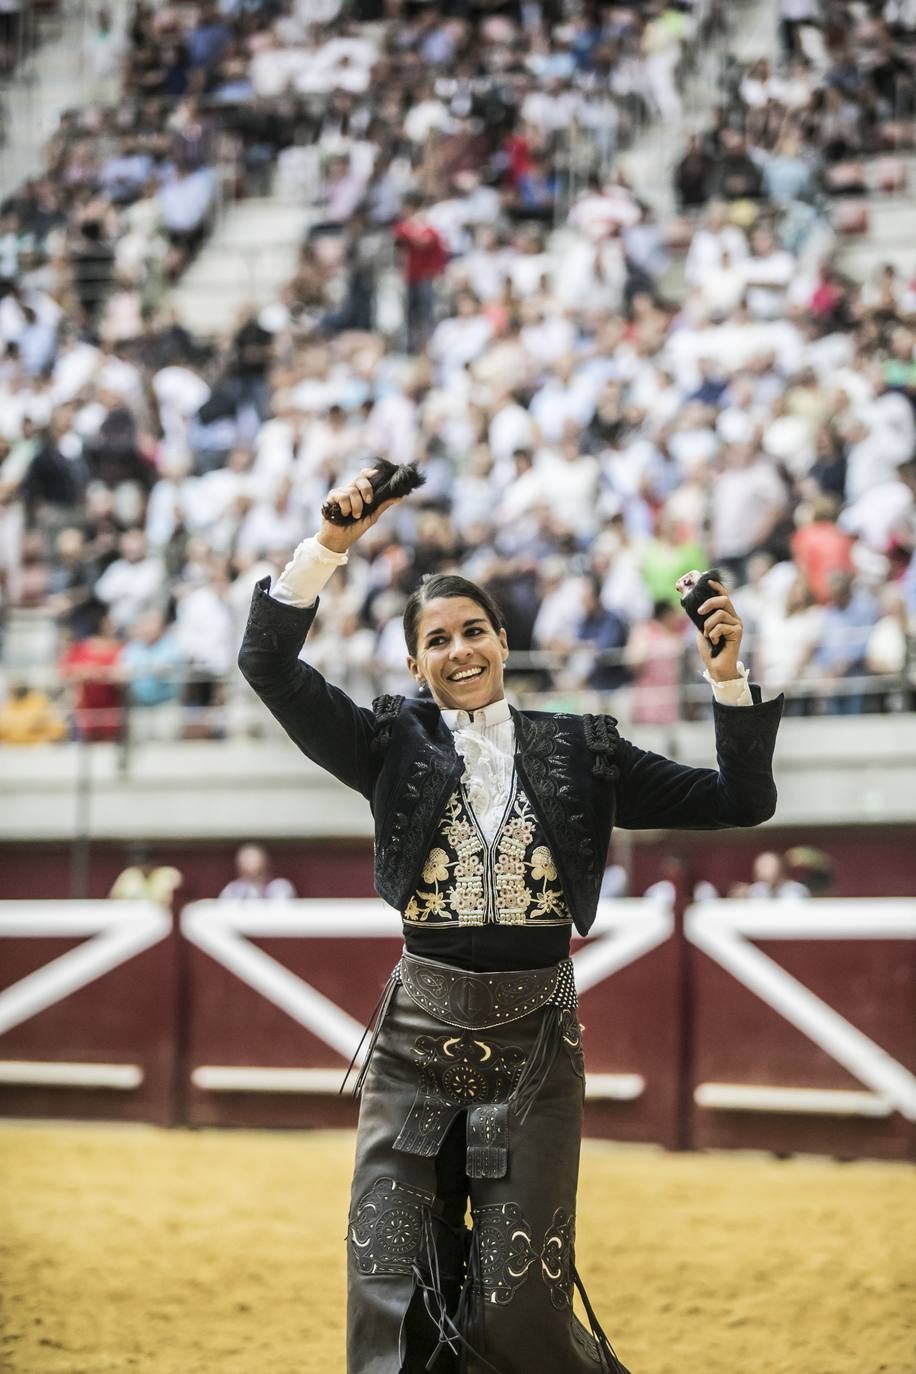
<point>848,619</point>
<point>153,662</point>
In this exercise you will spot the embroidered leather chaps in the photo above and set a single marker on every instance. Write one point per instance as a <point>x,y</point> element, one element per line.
<point>453,1113</point>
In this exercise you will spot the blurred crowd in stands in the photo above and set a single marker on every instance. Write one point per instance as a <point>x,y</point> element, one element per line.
<point>601,396</point>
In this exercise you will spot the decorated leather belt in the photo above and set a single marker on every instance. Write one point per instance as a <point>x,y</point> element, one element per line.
<point>477,1001</point>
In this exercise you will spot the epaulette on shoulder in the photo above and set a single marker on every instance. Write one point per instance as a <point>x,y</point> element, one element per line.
<point>601,738</point>
<point>385,708</point>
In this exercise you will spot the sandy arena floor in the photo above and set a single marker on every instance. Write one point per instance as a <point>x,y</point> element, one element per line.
<point>132,1249</point>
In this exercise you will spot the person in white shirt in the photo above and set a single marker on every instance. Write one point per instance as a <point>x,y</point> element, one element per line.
<point>133,584</point>
<point>770,881</point>
<point>492,827</point>
<point>713,239</point>
<point>461,338</point>
<point>253,880</point>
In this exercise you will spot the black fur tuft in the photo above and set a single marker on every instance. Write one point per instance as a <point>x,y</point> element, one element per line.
<point>696,596</point>
<point>389,481</point>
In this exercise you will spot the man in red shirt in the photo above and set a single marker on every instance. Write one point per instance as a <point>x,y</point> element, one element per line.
<point>91,666</point>
<point>820,548</point>
<point>424,257</point>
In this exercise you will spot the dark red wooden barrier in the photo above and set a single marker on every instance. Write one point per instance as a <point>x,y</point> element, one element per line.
<point>777,1025</point>
<point>88,1010</point>
<point>280,996</point>
<point>804,1026</point>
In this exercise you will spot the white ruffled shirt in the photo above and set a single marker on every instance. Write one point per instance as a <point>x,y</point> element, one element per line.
<point>485,739</point>
<point>486,742</point>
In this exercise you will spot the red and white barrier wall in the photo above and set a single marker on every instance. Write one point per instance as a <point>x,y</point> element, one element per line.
<point>784,1026</point>
<point>89,1010</point>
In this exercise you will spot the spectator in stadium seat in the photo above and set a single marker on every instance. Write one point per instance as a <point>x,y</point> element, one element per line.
<point>90,666</point>
<point>811,867</point>
<point>767,272</point>
<point>787,636</point>
<point>748,499</point>
<point>666,557</point>
<point>153,666</point>
<point>737,176</point>
<point>70,584</point>
<point>205,631</point>
<point>692,175</point>
<point>653,655</point>
<point>92,260</point>
<point>819,547</point>
<point>28,716</point>
<point>186,198</point>
<point>145,880</point>
<point>787,174</point>
<point>645,254</point>
<point>771,882</point>
<point>715,236</point>
<point>253,879</point>
<point>55,481</point>
<point>848,618</point>
<point>133,584</point>
<point>424,258</point>
<point>37,343</point>
<point>794,17</point>
<point>887,651</point>
<point>605,633</point>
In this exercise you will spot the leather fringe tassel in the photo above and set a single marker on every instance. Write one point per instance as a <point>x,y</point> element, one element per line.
<point>609,1360</point>
<point>488,1141</point>
<point>373,1029</point>
<point>537,1065</point>
<point>449,1328</point>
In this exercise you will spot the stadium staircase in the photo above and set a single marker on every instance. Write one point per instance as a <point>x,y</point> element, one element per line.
<point>248,260</point>
<point>52,78</point>
<point>890,234</point>
<point>887,232</point>
<point>649,163</point>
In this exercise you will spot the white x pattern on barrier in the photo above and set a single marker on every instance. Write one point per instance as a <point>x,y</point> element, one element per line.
<point>724,930</point>
<point>625,930</point>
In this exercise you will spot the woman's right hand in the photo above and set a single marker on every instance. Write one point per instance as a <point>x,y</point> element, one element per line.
<point>351,498</point>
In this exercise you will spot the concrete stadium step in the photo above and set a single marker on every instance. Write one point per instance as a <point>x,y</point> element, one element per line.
<point>862,258</point>
<point>892,221</point>
<point>53,78</point>
<point>263,219</point>
<point>247,261</point>
<point>30,643</point>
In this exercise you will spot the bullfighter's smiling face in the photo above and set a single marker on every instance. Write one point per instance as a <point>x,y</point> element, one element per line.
<point>460,656</point>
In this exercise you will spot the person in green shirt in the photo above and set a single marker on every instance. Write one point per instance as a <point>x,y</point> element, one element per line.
<point>667,557</point>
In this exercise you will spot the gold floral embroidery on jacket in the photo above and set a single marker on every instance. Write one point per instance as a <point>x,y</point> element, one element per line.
<point>512,882</point>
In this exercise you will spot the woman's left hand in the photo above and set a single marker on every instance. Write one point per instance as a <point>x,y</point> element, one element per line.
<point>723,625</point>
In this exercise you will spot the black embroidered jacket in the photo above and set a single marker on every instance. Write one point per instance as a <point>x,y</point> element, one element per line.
<point>580,777</point>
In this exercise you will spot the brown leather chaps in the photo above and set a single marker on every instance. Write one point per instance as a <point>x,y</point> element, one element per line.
<point>472,1098</point>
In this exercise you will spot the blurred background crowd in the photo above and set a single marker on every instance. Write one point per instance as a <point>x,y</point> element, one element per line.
<point>605,387</point>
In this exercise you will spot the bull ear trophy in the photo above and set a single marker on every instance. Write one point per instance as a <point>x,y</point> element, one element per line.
<point>695,589</point>
<point>389,481</point>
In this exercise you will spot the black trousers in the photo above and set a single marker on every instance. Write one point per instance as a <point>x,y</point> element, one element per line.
<point>440,1134</point>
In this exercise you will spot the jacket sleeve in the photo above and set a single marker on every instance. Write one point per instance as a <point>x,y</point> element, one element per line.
<point>320,719</point>
<point>656,793</point>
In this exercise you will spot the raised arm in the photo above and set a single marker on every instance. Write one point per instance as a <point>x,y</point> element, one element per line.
<point>657,793</point>
<point>319,718</point>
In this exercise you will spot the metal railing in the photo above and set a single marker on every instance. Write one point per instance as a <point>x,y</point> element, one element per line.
<point>194,706</point>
